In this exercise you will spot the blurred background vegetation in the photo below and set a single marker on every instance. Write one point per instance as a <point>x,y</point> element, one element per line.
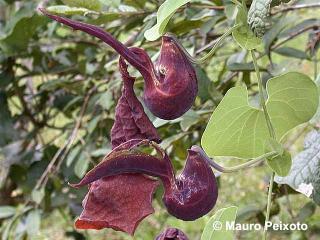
<point>59,89</point>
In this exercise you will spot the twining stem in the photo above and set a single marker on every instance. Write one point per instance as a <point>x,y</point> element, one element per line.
<point>210,53</point>
<point>272,135</point>
<point>215,47</point>
<point>134,143</point>
<point>245,165</point>
<point>296,7</point>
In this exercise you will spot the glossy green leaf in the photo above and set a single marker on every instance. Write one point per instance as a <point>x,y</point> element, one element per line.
<point>281,164</point>
<point>19,30</point>
<point>243,35</point>
<point>66,10</point>
<point>164,14</point>
<point>239,130</point>
<point>94,5</point>
<point>216,227</point>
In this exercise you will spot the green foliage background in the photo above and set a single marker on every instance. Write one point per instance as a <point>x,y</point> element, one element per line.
<point>59,89</point>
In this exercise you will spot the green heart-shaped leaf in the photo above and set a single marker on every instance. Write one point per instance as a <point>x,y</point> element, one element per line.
<point>239,130</point>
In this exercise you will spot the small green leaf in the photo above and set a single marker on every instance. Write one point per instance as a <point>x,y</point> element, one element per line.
<point>164,14</point>
<point>239,130</point>
<point>281,164</point>
<point>66,10</point>
<point>204,83</point>
<point>19,30</point>
<point>106,100</point>
<point>306,211</point>
<point>94,5</point>
<point>188,120</point>
<point>291,52</point>
<point>37,195</point>
<point>72,155</point>
<point>216,227</point>
<point>170,140</point>
<point>243,35</point>
<point>7,211</point>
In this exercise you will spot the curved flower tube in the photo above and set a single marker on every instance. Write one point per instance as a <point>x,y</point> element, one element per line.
<point>188,196</point>
<point>170,84</point>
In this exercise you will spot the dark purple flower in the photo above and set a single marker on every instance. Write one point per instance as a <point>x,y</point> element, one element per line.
<point>121,187</point>
<point>170,83</point>
<point>172,234</point>
<point>131,122</point>
<point>120,192</point>
<point>121,202</point>
<point>188,196</point>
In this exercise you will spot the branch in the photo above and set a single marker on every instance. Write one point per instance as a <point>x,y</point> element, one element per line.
<point>63,151</point>
<point>296,7</point>
<point>293,35</point>
<point>207,6</point>
<point>248,164</point>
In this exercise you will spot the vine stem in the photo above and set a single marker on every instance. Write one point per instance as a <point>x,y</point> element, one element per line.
<point>64,150</point>
<point>210,53</point>
<point>296,7</point>
<point>269,202</point>
<point>214,49</point>
<point>272,135</point>
<point>245,165</point>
